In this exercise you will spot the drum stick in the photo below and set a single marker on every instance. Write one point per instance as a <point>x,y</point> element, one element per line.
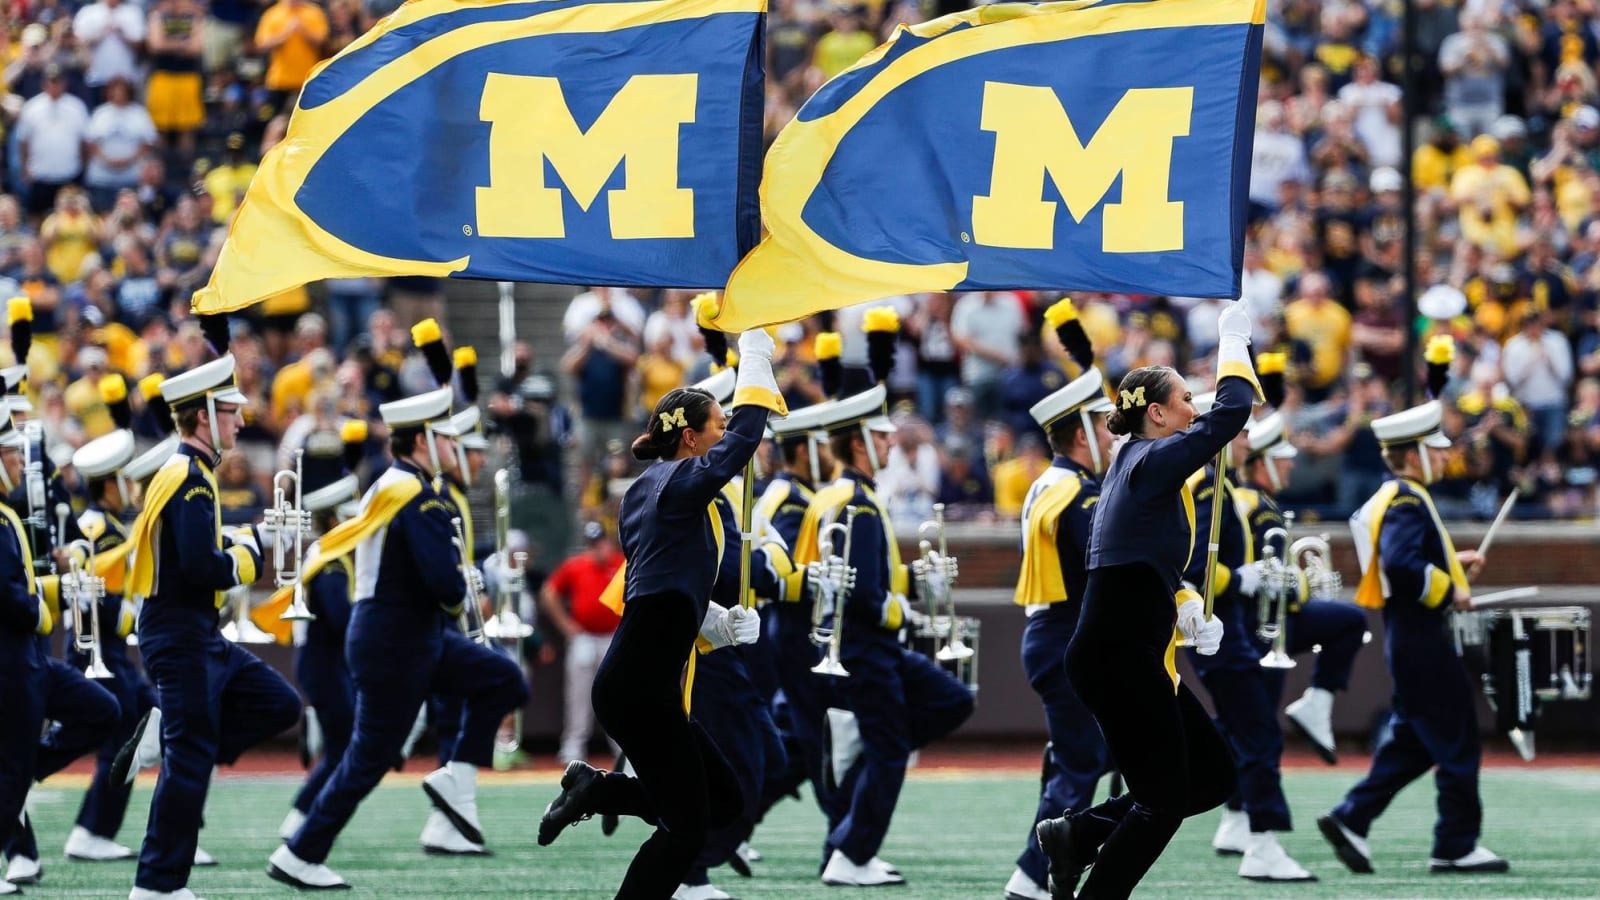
<point>1506,596</point>
<point>1505,510</point>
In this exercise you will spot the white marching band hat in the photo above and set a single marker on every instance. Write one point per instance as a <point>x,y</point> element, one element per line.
<point>865,408</point>
<point>431,408</point>
<point>466,425</point>
<point>1442,302</point>
<point>326,498</point>
<point>215,379</point>
<point>1270,437</point>
<point>1419,423</point>
<point>103,456</point>
<point>1087,392</point>
<point>719,384</point>
<point>797,423</point>
<point>147,463</point>
<point>16,398</point>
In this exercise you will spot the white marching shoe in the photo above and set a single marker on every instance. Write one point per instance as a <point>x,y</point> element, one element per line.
<point>140,893</point>
<point>1266,860</point>
<point>700,892</point>
<point>1480,860</point>
<point>143,751</point>
<point>748,853</point>
<point>87,847</point>
<point>453,790</point>
<point>1312,716</point>
<point>841,872</point>
<point>440,838</point>
<point>1233,834</point>
<point>1351,848</point>
<point>23,870</point>
<point>1021,887</point>
<point>291,823</point>
<point>7,887</point>
<point>202,858</point>
<point>284,866</point>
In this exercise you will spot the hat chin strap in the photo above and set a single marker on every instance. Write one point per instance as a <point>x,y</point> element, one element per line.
<point>211,412</point>
<point>1272,472</point>
<point>124,489</point>
<point>811,458</point>
<point>461,460</point>
<point>1427,465</point>
<point>433,450</point>
<point>872,450</point>
<point>5,479</point>
<point>1094,441</point>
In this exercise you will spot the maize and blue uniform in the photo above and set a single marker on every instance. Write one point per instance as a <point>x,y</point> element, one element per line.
<point>786,627</point>
<point>323,674</point>
<point>729,705</point>
<point>1120,660</point>
<point>1244,693</point>
<point>902,700</point>
<point>1058,517</point>
<point>468,733</point>
<point>217,700</point>
<point>22,670</point>
<point>1434,721</point>
<point>398,653</point>
<point>674,539</point>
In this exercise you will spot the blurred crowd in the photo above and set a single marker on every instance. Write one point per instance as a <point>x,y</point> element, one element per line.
<point>132,130</point>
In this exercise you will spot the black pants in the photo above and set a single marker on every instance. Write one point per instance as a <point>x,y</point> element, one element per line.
<point>684,784</point>
<point>1175,763</point>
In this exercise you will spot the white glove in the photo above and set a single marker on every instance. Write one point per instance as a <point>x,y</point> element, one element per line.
<point>724,627</point>
<point>756,342</point>
<point>746,625</point>
<point>1249,579</point>
<point>755,362</point>
<point>1233,333</point>
<point>1209,641</point>
<point>1191,617</point>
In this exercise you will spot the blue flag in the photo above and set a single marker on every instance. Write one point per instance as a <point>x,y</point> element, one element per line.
<point>566,141</point>
<point>1070,146</point>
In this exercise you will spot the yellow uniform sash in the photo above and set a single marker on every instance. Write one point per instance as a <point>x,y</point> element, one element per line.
<point>1041,581</point>
<point>339,542</point>
<point>163,487</point>
<point>1369,593</point>
<point>829,504</point>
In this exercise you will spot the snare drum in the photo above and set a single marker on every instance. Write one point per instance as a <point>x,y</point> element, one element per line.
<point>932,638</point>
<point>1526,656</point>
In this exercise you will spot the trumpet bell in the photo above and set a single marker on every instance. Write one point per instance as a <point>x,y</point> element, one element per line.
<point>97,670</point>
<point>298,611</point>
<point>830,666</point>
<point>507,625</point>
<point>1277,659</point>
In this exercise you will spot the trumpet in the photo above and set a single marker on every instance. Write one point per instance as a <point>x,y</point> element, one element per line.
<point>935,572</point>
<point>506,624</point>
<point>831,578</point>
<point>1279,582</point>
<point>283,519</point>
<point>471,612</point>
<point>86,588</point>
<point>34,491</point>
<point>1312,556</point>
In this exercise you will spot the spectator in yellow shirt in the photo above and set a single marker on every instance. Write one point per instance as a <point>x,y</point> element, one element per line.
<point>1434,163</point>
<point>659,371</point>
<point>845,43</point>
<point>1015,476</point>
<point>70,234</point>
<point>1489,195</point>
<point>292,32</point>
<point>293,384</point>
<point>227,181</point>
<point>1323,326</point>
<point>83,396</point>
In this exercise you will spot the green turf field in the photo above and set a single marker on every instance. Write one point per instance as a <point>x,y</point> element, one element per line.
<point>954,837</point>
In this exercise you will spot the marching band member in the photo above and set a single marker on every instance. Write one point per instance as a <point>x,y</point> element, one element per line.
<point>1244,692</point>
<point>807,696</point>
<point>901,700</point>
<point>1120,660</point>
<point>408,564</point>
<point>465,728</point>
<point>100,464</point>
<point>726,701</point>
<point>1057,517</point>
<point>672,537</point>
<point>1337,628</point>
<point>1412,568</point>
<point>320,669</point>
<point>218,699</point>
